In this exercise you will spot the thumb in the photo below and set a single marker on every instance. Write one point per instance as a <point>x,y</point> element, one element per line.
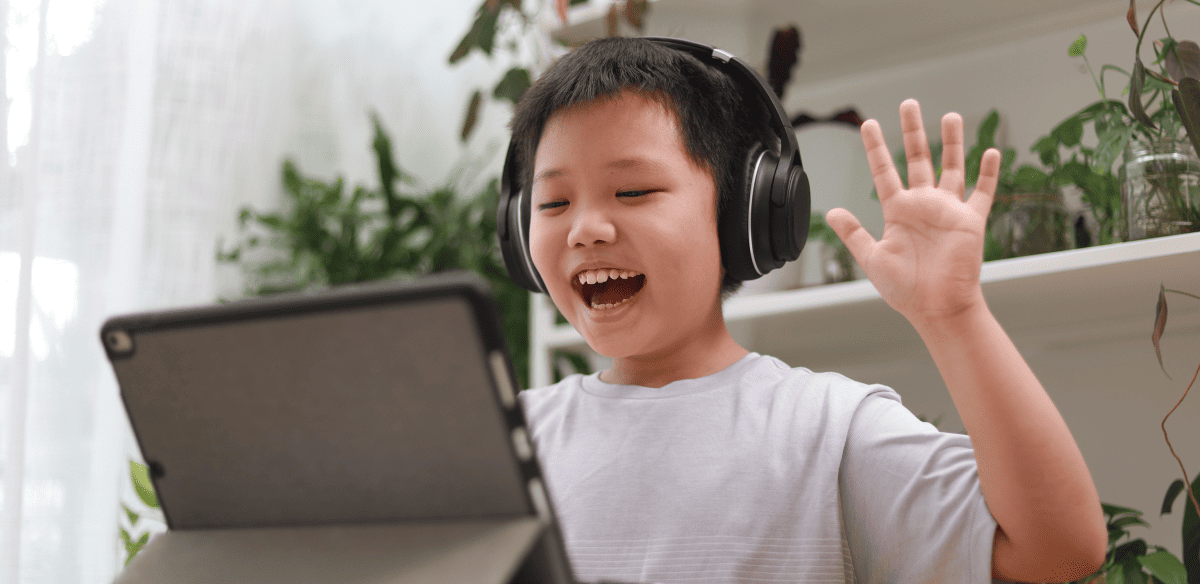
<point>851,232</point>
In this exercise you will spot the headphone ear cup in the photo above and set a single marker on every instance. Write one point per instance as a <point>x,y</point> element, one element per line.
<point>789,222</point>
<point>744,230</point>
<point>512,229</point>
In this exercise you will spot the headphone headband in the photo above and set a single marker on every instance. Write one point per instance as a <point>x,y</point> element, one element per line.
<point>747,77</point>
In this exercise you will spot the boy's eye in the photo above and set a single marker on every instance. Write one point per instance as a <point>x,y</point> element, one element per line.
<point>633,193</point>
<point>551,205</point>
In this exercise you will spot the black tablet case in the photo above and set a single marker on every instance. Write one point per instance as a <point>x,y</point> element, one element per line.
<point>361,434</point>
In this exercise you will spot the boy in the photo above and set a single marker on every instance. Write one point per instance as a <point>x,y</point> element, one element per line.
<point>692,459</point>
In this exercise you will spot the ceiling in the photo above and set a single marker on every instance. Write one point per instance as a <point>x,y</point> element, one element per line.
<point>848,37</point>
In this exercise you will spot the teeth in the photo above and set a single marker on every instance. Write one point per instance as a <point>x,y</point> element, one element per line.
<point>611,305</point>
<point>604,275</point>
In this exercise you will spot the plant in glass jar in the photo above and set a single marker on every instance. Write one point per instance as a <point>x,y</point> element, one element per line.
<point>1157,134</point>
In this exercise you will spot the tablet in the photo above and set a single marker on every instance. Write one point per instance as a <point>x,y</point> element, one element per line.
<point>371,405</point>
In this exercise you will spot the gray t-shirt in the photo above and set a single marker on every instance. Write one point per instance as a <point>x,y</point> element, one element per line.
<point>757,473</point>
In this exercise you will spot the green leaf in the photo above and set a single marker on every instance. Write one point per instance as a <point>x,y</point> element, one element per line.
<point>513,84</point>
<point>1127,520</point>
<point>1111,144</point>
<point>1047,149</point>
<point>1114,510</point>
<point>1191,533</point>
<point>1129,551</point>
<point>1165,567</point>
<point>1069,132</point>
<point>133,517</point>
<point>1030,176</point>
<point>1172,493</point>
<point>987,130</point>
<point>482,34</point>
<point>271,221</point>
<point>142,484</point>
<point>1076,49</point>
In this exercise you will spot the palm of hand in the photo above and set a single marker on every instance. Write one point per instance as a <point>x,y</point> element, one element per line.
<point>926,265</point>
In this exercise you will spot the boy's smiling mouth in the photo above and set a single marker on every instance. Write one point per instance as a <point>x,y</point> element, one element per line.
<point>607,288</point>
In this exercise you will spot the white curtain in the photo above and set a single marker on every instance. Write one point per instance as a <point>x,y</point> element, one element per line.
<point>135,129</point>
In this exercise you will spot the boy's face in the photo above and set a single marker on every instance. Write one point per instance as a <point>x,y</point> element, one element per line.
<point>615,193</point>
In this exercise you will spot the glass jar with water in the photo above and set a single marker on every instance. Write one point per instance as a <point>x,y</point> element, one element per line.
<point>1160,189</point>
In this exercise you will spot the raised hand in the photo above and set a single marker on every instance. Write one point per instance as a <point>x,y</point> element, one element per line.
<point>926,265</point>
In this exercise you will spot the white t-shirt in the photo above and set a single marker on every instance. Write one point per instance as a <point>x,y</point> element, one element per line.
<point>758,473</point>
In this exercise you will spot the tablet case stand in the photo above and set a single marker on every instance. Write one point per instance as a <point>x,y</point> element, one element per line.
<point>477,552</point>
<point>241,412</point>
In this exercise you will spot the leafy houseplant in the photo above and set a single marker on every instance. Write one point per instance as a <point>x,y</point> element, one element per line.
<point>1159,134</point>
<point>327,237</point>
<point>1131,560</point>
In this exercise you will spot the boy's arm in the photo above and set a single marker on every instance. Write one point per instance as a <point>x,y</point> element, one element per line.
<point>927,266</point>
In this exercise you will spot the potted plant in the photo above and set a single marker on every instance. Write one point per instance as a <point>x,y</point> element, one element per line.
<point>1157,133</point>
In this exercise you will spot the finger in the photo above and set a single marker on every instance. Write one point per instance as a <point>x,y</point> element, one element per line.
<point>851,232</point>
<point>883,172</point>
<point>953,173</point>
<point>916,146</point>
<point>985,187</point>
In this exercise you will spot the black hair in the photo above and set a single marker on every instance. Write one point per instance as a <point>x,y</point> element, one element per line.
<point>718,120</point>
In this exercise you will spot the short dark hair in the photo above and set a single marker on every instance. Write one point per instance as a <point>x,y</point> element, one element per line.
<point>718,120</point>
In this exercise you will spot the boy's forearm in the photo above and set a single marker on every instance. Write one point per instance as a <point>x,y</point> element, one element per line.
<point>1032,474</point>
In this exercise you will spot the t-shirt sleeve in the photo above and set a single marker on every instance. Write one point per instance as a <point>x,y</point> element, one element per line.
<point>911,504</point>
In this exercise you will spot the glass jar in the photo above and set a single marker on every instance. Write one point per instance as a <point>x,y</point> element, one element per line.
<point>1030,223</point>
<point>1160,189</point>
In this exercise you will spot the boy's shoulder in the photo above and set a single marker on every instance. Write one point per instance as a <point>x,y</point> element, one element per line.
<point>754,377</point>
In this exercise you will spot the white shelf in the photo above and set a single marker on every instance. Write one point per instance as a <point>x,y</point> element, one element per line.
<point>1086,294</point>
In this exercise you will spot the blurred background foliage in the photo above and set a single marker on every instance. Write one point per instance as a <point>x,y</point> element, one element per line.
<point>327,235</point>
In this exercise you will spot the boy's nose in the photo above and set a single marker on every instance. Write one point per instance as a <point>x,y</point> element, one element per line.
<point>591,227</point>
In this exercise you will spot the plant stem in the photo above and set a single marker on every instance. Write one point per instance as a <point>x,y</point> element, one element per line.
<point>1186,476</point>
<point>1098,81</point>
<point>1181,292</point>
<point>1137,51</point>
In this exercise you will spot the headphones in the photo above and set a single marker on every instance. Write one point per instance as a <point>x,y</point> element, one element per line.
<point>765,224</point>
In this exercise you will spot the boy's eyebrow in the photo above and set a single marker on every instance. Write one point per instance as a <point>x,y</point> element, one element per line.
<point>634,162</point>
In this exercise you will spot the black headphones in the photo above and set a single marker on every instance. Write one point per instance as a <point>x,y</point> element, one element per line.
<point>765,224</point>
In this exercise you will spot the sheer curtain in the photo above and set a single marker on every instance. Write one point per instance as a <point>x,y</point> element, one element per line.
<point>135,129</point>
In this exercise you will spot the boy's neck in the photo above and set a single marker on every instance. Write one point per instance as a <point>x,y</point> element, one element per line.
<point>701,356</point>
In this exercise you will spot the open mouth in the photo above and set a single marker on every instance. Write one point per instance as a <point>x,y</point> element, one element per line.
<point>608,288</point>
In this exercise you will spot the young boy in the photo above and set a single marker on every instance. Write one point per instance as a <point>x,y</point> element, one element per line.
<point>694,460</point>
